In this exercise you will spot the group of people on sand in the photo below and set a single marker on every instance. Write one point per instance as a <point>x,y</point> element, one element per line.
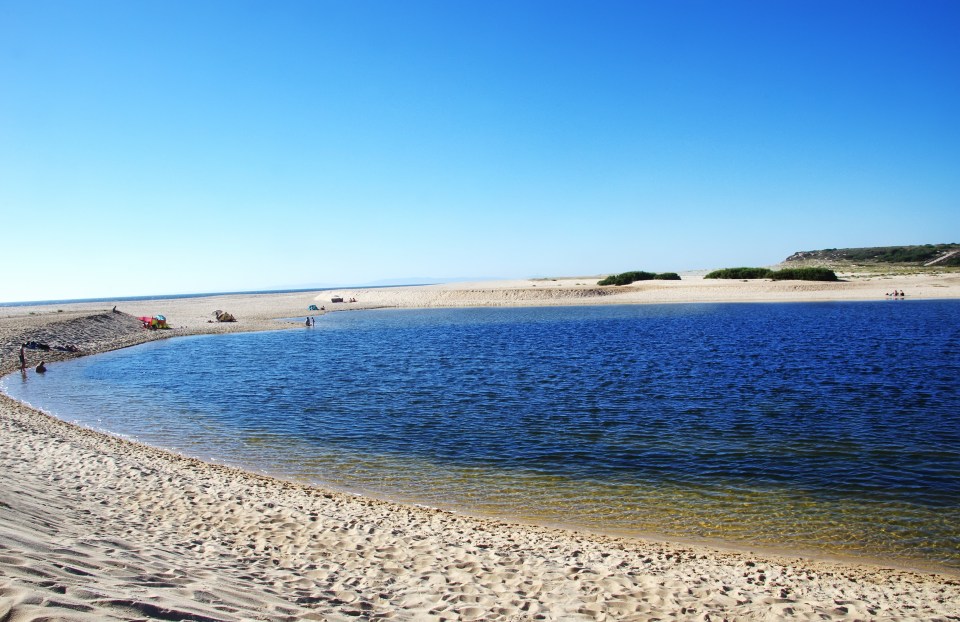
<point>41,368</point>
<point>896,294</point>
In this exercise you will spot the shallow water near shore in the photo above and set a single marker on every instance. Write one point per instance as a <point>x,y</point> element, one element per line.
<point>830,427</point>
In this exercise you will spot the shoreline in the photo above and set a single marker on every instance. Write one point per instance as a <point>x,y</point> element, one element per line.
<point>129,525</point>
<point>772,551</point>
<point>279,515</point>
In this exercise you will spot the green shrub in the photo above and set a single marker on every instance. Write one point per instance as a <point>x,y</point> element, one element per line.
<point>740,273</point>
<point>909,254</point>
<point>787,274</point>
<point>804,274</point>
<point>626,278</point>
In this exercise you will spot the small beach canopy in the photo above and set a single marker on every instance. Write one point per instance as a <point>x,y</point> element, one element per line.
<point>312,308</point>
<point>155,322</point>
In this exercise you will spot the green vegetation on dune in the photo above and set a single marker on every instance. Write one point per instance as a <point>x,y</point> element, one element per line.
<point>822,265</point>
<point>920,254</point>
<point>740,273</point>
<point>804,274</point>
<point>788,274</point>
<point>626,278</point>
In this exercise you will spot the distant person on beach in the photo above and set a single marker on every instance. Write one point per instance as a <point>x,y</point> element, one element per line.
<point>23,357</point>
<point>41,368</point>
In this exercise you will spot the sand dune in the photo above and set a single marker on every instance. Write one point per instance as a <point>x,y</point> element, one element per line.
<point>97,528</point>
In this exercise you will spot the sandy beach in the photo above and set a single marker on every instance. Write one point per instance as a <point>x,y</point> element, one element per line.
<point>98,528</point>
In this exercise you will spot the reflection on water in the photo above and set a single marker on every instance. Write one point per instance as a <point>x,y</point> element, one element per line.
<point>830,426</point>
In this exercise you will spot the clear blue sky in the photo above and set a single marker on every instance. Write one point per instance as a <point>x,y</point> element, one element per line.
<point>176,147</point>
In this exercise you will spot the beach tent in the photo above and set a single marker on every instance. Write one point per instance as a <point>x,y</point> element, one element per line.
<point>155,322</point>
<point>312,308</point>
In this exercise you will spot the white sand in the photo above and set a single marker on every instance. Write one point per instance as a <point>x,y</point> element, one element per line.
<point>692,288</point>
<point>95,528</point>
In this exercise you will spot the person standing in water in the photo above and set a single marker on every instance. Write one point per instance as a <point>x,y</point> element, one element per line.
<point>23,357</point>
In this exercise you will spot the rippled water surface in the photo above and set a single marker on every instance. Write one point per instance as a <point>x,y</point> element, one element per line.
<point>830,427</point>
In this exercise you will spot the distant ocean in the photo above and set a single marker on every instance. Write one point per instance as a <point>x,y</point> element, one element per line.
<point>808,427</point>
<point>201,295</point>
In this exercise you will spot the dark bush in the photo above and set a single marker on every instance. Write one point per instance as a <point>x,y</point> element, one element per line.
<point>804,274</point>
<point>626,278</point>
<point>740,273</point>
<point>909,254</point>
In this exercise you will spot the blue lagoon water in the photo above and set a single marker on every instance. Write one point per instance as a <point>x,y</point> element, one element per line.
<point>826,427</point>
